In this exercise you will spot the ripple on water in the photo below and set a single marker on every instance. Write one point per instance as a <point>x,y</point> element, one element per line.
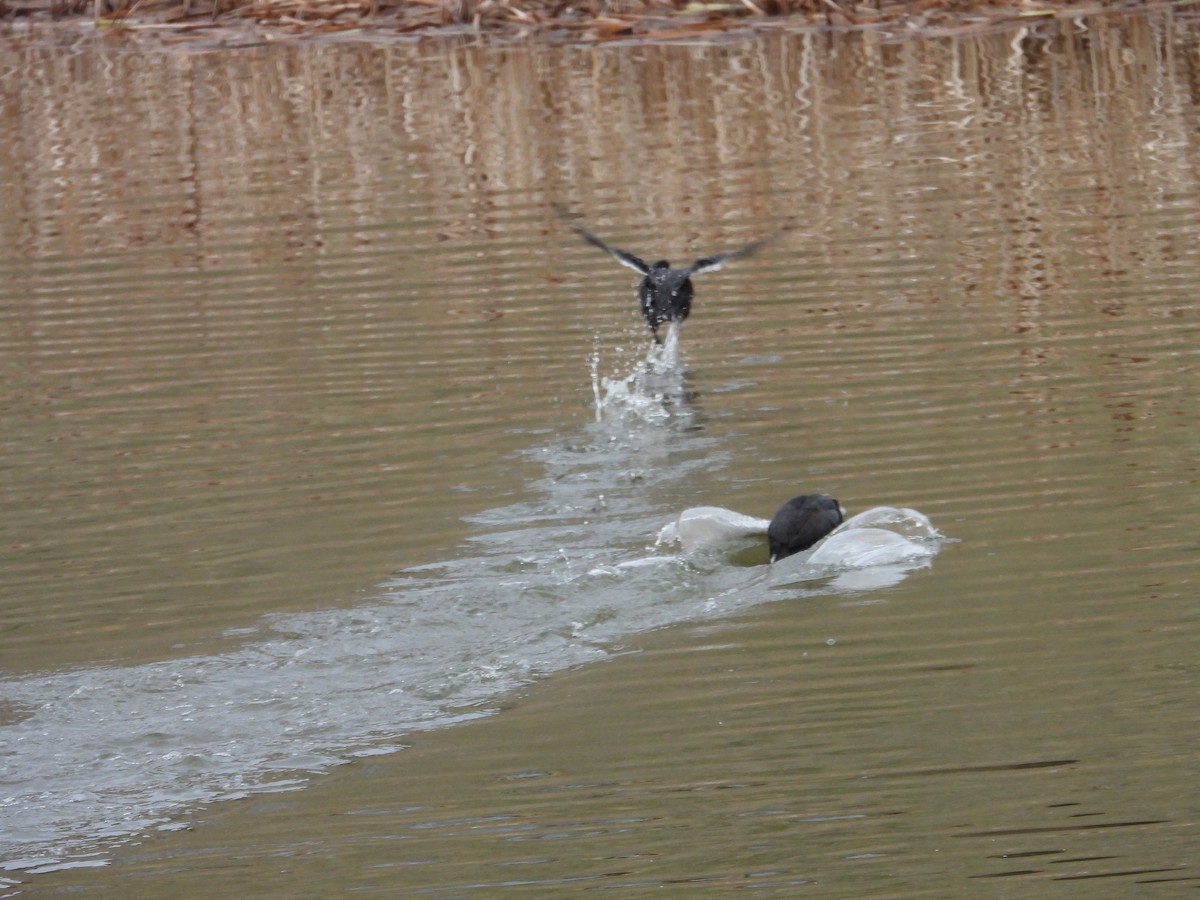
<point>559,578</point>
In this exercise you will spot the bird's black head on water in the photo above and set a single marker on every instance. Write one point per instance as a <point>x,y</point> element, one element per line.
<point>665,294</point>
<point>801,522</point>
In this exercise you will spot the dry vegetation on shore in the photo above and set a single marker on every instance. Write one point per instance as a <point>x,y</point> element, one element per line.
<point>580,20</point>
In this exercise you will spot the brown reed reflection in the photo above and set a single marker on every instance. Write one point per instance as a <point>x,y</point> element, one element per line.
<point>487,130</point>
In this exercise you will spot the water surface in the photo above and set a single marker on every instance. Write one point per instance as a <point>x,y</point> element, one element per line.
<point>302,463</point>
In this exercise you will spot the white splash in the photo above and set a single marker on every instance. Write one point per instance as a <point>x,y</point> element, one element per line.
<point>655,391</point>
<point>881,536</point>
<point>710,526</point>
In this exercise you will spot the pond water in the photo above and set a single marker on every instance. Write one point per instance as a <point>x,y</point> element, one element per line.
<point>334,466</point>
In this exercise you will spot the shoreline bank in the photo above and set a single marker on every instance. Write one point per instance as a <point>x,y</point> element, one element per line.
<point>547,21</point>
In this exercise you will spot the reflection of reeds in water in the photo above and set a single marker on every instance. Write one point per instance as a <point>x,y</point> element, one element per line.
<point>686,147</point>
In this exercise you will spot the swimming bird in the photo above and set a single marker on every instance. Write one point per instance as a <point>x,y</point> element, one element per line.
<point>665,294</point>
<point>801,522</point>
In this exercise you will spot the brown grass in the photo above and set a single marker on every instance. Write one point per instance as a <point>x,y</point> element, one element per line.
<point>588,20</point>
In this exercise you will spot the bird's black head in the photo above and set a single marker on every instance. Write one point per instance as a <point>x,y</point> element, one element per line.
<point>801,522</point>
<point>662,264</point>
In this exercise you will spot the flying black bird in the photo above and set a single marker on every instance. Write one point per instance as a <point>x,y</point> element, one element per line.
<point>665,294</point>
<point>801,522</point>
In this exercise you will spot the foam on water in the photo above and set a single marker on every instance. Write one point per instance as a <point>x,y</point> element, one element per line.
<point>95,756</point>
<point>655,391</point>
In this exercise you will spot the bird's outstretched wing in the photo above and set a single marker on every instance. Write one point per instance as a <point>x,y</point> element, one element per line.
<point>713,263</point>
<point>623,257</point>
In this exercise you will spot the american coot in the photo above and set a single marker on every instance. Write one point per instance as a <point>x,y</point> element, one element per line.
<point>665,294</point>
<point>880,536</point>
<point>801,522</point>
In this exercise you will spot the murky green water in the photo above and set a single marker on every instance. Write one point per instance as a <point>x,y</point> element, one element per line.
<point>301,465</point>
